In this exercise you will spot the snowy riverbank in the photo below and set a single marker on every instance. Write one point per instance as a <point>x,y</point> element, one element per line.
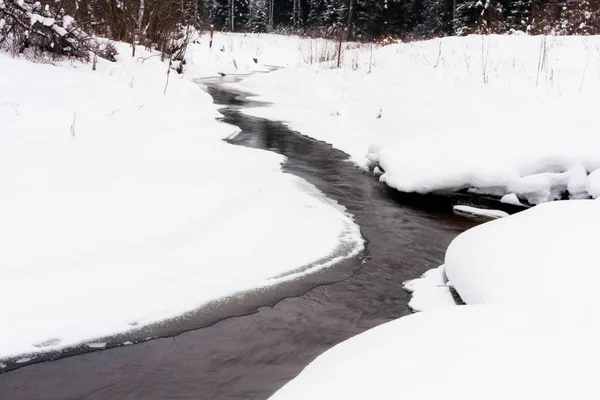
<point>529,329</point>
<point>499,114</point>
<point>121,206</point>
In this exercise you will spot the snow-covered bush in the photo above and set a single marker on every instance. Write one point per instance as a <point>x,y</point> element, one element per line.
<point>44,29</point>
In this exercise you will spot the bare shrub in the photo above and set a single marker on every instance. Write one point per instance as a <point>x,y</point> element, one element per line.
<point>318,51</point>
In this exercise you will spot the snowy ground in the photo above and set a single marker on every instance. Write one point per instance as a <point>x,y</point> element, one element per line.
<point>236,53</point>
<point>457,353</point>
<point>121,206</point>
<point>503,114</point>
<point>529,329</point>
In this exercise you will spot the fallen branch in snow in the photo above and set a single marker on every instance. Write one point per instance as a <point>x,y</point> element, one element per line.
<point>147,58</point>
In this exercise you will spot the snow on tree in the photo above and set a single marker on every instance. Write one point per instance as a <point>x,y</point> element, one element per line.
<point>258,16</point>
<point>317,13</point>
<point>519,15</point>
<point>44,29</point>
<point>218,12</point>
<point>582,17</point>
<point>370,17</point>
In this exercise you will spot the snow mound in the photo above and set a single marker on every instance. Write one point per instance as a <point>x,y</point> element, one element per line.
<point>593,183</point>
<point>545,256</point>
<point>511,198</point>
<point>463,352</point>
<point>430,291</point>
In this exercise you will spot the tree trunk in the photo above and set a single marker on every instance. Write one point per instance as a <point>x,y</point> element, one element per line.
<point>196,22</point>
<point>296,14</point>
<point>350,18</point>
<point>182,12</point>
<point>339,54</point>
<point>138,27</point>
<point>454,17</point>
<point>232,15</point>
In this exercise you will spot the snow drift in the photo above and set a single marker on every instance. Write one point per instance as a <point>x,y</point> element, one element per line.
<point>542,257</point>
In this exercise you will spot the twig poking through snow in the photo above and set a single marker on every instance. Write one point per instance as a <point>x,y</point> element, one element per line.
<point>73,125</point>
<point>168,73</point>
<point>14,106</point>
<point>587,61</point>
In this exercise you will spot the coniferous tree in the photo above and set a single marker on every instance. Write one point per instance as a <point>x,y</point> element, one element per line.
<point>581,17</point>
<point>258,16</point>
<point>436,19</point>
<point>467,13</point>
<point>370,18</point>
<point>518,15</point>
<point>317,14</point>
<point>218,13</point>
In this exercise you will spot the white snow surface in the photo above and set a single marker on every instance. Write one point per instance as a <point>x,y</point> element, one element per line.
<point>430,291</point>
<point>482,212</point>
<point>436,115</point>
<point>457,353</point>
<point>593,183</point>
<point>240,53</point>
<point>121,206</point>
<point>544,257</point>
<point>511,198</point>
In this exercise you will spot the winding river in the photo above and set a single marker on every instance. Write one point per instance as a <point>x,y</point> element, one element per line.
<point>280,330</point>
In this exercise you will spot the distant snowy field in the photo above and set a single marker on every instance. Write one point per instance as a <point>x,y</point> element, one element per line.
<point>501,114</point>
<point>121,206</point>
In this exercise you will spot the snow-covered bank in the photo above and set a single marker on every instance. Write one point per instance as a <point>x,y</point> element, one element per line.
<point>464,352</point>
<point>543,257</point>
<point>121,206</point>
<point>429,292</point>
<point>529,329</point>
<point>504,114</point>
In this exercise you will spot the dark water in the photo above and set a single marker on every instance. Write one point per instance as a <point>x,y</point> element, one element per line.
<point>251,356</point>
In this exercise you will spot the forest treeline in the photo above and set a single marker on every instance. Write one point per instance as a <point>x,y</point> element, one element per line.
<point>60,24</point>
